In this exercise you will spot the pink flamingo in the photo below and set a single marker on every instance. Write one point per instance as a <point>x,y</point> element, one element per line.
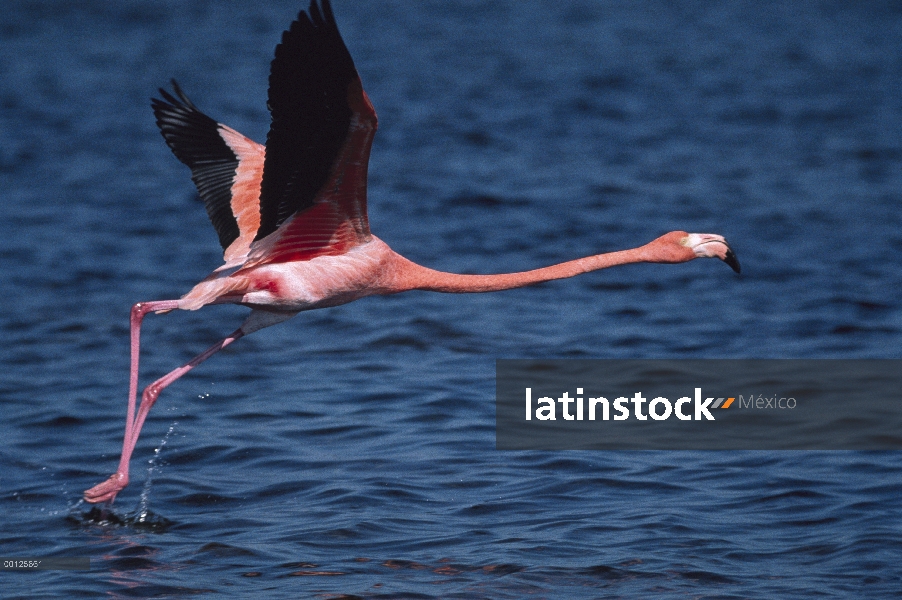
<point>291,216</point>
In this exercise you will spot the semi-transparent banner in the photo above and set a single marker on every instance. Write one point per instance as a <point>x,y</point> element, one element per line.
<point>700,404</point>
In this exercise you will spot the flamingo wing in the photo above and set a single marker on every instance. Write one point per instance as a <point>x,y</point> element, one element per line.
<point>313,192</point>
<point>304,194</point>
<point>226,168</point>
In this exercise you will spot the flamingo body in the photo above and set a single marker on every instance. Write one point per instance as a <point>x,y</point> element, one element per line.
<point>294,286</point>
<point>291,216</point>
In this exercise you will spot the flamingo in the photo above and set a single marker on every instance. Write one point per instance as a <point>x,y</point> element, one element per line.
<point>291,216</point>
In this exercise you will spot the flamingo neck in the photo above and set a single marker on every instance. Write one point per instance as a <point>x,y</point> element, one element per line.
<point>412,276</point>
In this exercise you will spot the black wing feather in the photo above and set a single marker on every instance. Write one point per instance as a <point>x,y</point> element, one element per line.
<point>195,140</point>
<point>308,98</point>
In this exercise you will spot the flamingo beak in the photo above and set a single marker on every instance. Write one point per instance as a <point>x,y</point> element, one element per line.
<point>710,245</point>
<point>730,259</point>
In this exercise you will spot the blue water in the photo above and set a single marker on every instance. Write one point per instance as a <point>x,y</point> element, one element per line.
<point>350,452</point>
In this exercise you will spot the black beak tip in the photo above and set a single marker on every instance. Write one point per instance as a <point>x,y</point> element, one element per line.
<point>731,260</point>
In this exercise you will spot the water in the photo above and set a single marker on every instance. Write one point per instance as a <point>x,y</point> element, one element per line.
<point>350,452</point>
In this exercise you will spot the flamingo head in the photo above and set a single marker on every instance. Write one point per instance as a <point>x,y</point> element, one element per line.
<point>679,246</point>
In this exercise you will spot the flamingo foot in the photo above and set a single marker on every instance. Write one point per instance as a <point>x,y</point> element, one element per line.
<point>106,491</point>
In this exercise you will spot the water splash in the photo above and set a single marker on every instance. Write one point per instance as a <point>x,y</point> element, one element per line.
<point>143,512</point>
<point>142,518</point>
<point>105,516</point>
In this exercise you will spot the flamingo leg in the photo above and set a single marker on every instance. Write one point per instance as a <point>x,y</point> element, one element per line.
<point>107,490</point>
